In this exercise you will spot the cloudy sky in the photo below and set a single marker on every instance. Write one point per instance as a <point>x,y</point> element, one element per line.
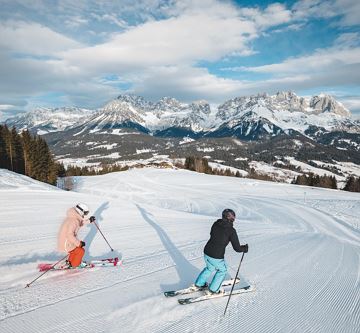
<point>86,52</point>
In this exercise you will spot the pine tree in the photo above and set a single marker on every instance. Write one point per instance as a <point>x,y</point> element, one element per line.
<point>190,163</point>
<point>14,150</point>
<point>197,164</point>
<point>27,141</point>
<point>4,157</point>
<point>333,183</point>
<point>17,150</point>
<point>301,180</point>
<point>61,172</point>
<point>352,184</point>
<point>25,154</point>
<point>41,160</point>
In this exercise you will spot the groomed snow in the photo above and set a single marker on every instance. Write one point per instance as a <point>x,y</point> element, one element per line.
<point>304,253</point>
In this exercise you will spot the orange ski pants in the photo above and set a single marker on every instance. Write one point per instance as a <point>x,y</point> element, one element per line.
<point>75,256</point>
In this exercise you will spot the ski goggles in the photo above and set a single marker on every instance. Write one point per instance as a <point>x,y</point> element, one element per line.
<point>85,212</point>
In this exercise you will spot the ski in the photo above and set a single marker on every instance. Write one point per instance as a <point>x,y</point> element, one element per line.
<point>190,300</point>
<point>194,289</point>
<point>94,263</point>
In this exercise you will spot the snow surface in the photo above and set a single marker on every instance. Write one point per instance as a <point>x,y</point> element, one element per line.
<point>186,139</point>
<point>304,254</point>
<point>318,171</point>
<point>279,174</point>
<point>222,167</point>
<point>108,146</point>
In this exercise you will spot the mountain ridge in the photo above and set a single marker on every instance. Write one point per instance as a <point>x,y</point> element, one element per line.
<point>241,132</point>
<point>284,110</point>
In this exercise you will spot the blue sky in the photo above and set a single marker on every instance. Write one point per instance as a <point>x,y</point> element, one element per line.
<point>85,53</point>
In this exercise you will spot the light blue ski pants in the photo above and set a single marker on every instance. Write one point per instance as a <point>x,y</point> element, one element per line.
<point>212,264</point>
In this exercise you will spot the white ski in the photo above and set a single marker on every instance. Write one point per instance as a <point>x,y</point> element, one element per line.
<point>190,300</point>
<point>194,289</point>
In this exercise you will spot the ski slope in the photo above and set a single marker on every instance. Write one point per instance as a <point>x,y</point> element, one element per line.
<point>304,254</point>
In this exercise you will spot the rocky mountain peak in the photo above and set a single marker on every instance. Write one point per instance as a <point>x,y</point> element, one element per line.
<point>326,103</point>
<point>201,107</point>
<point>288,100</point>
<point>168,103</point>
<point>122,109</point>
<point>135,101</point>
<point>285,95</point>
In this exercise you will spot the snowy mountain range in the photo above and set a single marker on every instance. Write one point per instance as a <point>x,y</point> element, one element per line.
<point>45,120</point>
<point>281,131</point>
<point>248,117</point>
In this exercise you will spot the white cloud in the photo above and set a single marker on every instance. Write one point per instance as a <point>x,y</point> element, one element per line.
<point>275,14</point>
<point>185,82</point>
<point>76,21</point>
<point>33,38</point>
<point>7,111</point>
<point>343,53</point>
<point>160,55</point>
<point>347,40</point>
<point>6,107</point>
<point>352,103</point>
<point>335,66</point>
<point>110,18</point>
<point>184,39</point>
<point>347,11</point>
<point>322,60</point>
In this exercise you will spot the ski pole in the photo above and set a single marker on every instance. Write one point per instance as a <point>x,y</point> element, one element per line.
<point>232,288</point>
<point>103,235</point>
<point>28,285</point>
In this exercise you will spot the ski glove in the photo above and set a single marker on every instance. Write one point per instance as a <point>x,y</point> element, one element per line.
<point>92,219</point>
<point>82,244</point>
<point>244,248</point>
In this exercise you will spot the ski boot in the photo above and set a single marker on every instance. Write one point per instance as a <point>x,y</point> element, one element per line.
<point>209,292</point>
<point>83,264</point>
<point>194,287</point>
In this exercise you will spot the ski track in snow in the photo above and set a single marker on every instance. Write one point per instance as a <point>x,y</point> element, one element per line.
<point>304,256</point>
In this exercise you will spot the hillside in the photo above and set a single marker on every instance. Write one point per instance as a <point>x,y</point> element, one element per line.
<point>303,255</point>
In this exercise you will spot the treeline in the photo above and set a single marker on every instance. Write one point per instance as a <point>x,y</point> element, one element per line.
<point>28,155</point>
<point>104,168</point>
<point>352,183</point>
<point>200,164</point>
<point>85,171</point>
<point>316,181</point>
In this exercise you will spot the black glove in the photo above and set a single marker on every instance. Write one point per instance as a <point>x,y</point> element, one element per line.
<point>92,219</point>
<point>82,244</point>
<point>244,248</point>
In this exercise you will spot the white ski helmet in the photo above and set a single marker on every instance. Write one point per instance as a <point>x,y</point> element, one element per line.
<point>82,209</point>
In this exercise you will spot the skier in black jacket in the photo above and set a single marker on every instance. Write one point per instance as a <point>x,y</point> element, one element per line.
<point>222,232</point>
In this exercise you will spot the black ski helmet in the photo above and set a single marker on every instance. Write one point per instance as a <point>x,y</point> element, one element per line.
<point>228,215</point>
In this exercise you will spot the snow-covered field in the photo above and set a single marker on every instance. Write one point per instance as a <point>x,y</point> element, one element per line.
<point>304,255</point>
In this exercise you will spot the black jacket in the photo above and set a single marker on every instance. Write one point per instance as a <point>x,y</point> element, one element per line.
<point>222,232</point>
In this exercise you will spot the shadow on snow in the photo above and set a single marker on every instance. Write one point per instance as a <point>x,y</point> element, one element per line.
<point>185,270</point>
<point>91,235</point>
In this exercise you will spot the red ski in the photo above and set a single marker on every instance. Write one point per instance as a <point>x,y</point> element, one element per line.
<point>109,262</point>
